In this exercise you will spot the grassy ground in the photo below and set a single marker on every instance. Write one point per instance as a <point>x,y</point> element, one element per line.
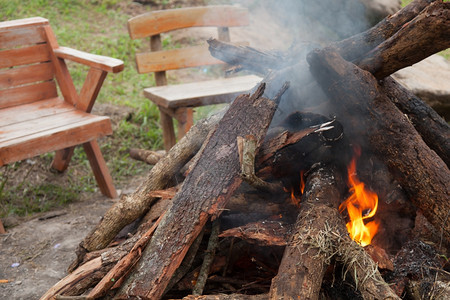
<point>98,27</point>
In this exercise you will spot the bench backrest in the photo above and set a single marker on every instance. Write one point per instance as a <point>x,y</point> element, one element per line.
<point>26,69</point>
<point>154,23</point>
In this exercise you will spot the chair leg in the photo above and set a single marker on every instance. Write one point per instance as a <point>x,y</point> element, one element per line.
<point>2,229</point>
<point>168,130</point>
<point>62,159</point>
<point>98,165</point>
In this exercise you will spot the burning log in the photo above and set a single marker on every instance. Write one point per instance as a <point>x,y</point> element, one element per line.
<point>218,163</point>
<point>319,235</point>
<point>372,120</point>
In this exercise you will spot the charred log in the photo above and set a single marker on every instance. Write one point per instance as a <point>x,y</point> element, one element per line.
<point>433,129</point>
<point>426,34</point>
<point>372,120</point>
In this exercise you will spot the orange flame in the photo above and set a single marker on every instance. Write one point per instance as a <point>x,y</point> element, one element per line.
<point>302,181</point>
<point>361,201</point>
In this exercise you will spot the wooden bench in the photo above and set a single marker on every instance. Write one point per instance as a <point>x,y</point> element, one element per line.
<point>176,101</point>
<point>33,118</point>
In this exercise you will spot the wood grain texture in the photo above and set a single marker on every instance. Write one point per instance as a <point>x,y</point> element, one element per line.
<point>172,19</point>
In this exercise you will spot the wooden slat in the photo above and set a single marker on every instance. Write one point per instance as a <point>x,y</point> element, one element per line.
<point>201,93</point>
<point>101,62</point>
<point>24,56</point>
<point>175,59</point>
<point>166,20</point>
<point>25,75</point>
<point>27,94</point>
<point>34,110</point>
<point>13,37</point>
<point>42,124</point>
<point>22,23</point>
<point>28,146</point>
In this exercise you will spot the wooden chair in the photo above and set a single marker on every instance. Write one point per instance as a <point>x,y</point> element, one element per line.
<point>33,119</point>
<point>176,101</point>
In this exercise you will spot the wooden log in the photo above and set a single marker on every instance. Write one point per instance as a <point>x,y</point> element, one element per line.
<point>227,297</point>
<point>148,156</point>
<point>130,207</point>
<point>434,130</point>
<point>306,258</point>
<point>355,47</point>
<point>372,120</point>
<point>204,193</point>
<point>123,266</point>
<point>426,34</point>
<point>319,235</point>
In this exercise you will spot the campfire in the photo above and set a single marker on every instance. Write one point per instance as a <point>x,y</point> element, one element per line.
<point>362,204</point>
<point>310,206</point>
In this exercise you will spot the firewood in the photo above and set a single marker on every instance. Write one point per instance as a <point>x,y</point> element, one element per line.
<point>148,156</point>
<point>130,207</point>
<point>264,233</point>
<point>426,34</point>
<point>373,121</point>
<point>247,152</point>
<point>434,130</point>
<point>124,265</point>
<point>306,256</point>
<point>204,193</point>
<point>355,47</point>
<point>227,297</point>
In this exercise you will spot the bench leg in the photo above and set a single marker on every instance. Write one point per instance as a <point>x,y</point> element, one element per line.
<point>185,120</point>
<point>168,130</point>
<point>62,159</point>
<point>98,165</point>
<point>2,229</point>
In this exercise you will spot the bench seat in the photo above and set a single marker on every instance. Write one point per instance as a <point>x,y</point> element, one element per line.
<point>201,93</point>
<point>45,126</point>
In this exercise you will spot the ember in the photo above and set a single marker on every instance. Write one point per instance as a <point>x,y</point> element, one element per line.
<point>361,204</point>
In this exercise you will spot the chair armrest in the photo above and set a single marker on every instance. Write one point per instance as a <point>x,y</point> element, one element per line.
<point>104,63</point>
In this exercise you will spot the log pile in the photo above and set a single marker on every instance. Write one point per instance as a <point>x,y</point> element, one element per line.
<point>241,211</point>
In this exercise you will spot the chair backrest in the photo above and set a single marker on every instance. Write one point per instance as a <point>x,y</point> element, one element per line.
<point>154,23</point>
<point>26,68</point>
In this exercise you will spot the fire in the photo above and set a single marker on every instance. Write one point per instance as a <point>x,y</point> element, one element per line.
<point>302,181</point>
<point>362,204</point>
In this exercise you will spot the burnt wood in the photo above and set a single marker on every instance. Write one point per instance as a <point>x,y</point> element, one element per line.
<point>371,120</point>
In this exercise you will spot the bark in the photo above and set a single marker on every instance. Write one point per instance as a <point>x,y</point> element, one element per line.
<point>434,130</point>
<point>306,257</point>
<point>245,57</point>
<point>148,156</point>
<point>204,193</point>
<point>131,207</point>
<point>227,297</point>
<point>355,47</point>
<point>426,34</point>
<point>372,120</point>
<point>123,266</point>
